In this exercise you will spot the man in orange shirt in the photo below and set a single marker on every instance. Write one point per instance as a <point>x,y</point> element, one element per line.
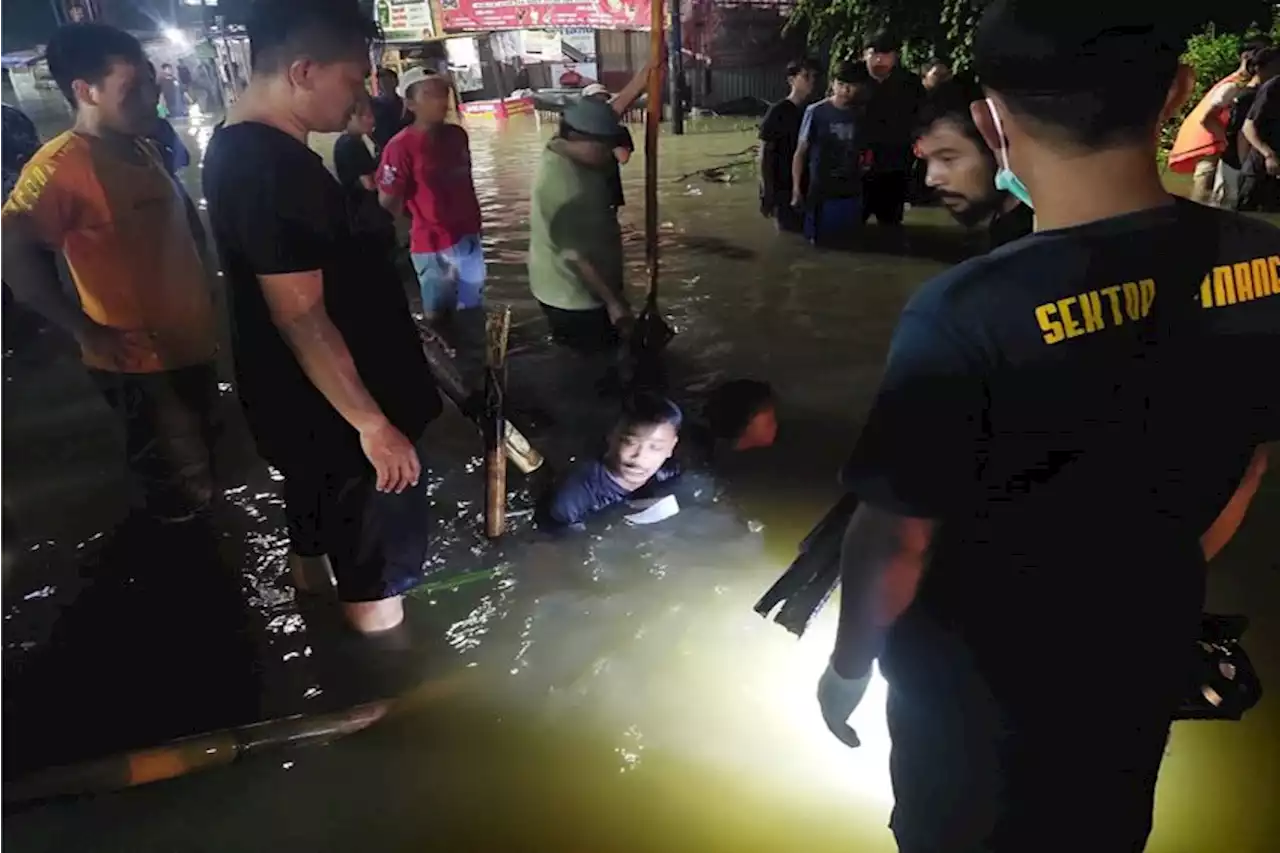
<point>100,194</point>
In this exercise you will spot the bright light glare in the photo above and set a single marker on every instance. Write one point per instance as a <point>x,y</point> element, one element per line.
<point>177,38</point>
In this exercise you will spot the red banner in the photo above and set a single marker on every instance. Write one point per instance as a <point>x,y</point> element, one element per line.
<point>459,16</point>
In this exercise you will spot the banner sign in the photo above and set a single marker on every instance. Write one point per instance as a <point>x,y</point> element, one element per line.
<point>462,16</point>
<point>404,20</point>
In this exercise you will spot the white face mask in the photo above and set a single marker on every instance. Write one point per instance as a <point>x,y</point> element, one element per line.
<point>1006,180</point>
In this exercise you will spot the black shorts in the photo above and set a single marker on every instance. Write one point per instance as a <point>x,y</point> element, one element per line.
<point>586,332</point>
<point>376,542</point>
<point>972,775</point>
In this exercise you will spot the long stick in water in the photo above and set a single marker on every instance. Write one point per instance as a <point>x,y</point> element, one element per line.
<point>497,328</point>
<point>653,118</point>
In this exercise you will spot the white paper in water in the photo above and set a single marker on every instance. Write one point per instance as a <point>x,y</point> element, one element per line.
<point>653,511</point>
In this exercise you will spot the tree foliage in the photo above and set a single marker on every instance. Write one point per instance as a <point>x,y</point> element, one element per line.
<point>927,28</point>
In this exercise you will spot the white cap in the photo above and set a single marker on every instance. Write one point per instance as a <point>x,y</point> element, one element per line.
<point>416,74</point>
<point>594,89</point>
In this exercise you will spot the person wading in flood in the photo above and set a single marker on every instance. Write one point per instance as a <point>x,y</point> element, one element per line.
<point>330,372</point>
<point>575,245</point>
<point>426,169</point>
<point>779,136</point>
<point>100,194</point>
<point>961,169</point>
<point>830,152</point>
<point>1031,444</point>
<point>894,96</point>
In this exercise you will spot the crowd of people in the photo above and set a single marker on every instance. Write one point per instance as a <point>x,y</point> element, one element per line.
<point>1063,434</point>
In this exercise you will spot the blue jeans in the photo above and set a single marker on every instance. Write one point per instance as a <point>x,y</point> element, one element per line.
<point>453,278</point>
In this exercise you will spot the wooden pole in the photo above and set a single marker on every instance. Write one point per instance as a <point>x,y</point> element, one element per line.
<point>497,329</point>
<point>653,119</point>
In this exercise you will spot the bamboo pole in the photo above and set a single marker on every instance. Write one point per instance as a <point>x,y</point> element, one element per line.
<point>497,330</point>
<point>653,119</point>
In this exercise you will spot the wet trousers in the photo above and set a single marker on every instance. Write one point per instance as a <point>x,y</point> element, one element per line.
<point>170,427</point>
<point>376,542</point>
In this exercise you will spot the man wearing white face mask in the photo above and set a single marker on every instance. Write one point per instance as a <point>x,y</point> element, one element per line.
<point>1028,558</point>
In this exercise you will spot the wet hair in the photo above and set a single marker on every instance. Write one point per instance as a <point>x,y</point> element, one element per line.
<point>797,67</point>
<point>731,406</point>
<point>282,31</point>
<point>85,52</point>
<point>648,409</point>
<point>1261,58</point>
<point>949,101</point>
<point>848,72</point>
<point>1090,74</point>
<point>881,42</point>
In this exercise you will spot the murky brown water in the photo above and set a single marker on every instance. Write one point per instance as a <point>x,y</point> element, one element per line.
<point>611,693</point>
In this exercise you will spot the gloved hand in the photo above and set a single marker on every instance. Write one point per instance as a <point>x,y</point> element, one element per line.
<point>839,697</point>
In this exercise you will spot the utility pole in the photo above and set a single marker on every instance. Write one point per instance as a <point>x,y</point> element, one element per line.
<point>675,71</point>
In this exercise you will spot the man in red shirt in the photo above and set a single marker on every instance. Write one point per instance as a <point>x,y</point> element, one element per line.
<point>426,170</point>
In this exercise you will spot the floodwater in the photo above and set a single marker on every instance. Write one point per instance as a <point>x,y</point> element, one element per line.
<point>611,692</point>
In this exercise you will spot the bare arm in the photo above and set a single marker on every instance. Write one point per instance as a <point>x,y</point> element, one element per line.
<point>797,166</point>
<point>1250,132</point>
<point>392,203</point>
<point>296,302</point>
<point>881,563</point>
<point>369,183</point>
<point>597,285</point>
<point>30,271</point>
<point>622,101</point>
<point>1232,515</point>
<point>622,154</point>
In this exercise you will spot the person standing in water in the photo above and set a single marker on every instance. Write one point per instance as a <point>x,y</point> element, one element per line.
<point>1032,520</point>
<point>575,244</point>
<point>960,168</point>
<point>830,152</point>
<point>893,98</point>
<point>426,171</point>
<point>389,113</point>
<point>356,169</point>
<point>101,196</point>
<point>329,369</point>
<point>779,136</point>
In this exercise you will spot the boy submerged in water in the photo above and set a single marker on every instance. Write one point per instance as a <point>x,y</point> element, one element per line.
<point>638,457</point>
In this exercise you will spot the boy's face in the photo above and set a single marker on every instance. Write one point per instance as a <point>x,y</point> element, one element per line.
<point>803,82</point>
<point>637,452</point>
<point>429,100</point>
<point>362,118</point>
<point>125,99</point>
<point>843,93</point>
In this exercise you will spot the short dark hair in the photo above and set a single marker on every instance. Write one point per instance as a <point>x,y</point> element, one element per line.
<point>1262,58</point>
<point>797,67</point>
<point>281,31</point>
<point>1253,44</point>
<point>649,409</point>
<point>882,41</point>
<point>950,101</point>
<point>85,51</point>
<point>849,72</point>
<point>1093,73</point>
<point>731,406</point>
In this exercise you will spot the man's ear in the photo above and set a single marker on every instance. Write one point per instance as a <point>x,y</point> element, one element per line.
<point>83,90</point>
<point>981,113</point>
<point>1179,92</point>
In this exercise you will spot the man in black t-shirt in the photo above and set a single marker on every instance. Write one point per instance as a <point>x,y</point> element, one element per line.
<point>355,167</point>
<point>389,113</point>
<point>329,367</point>
<point>1260,173</point>
<point>895,96</point>
<point>1059,424</point>
<point>779,135</point>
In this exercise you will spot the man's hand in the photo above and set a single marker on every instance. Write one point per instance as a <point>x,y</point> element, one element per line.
<point>115,344</point>
<point>839,697</point>
<point>797,201</point>
<point>392,456</point>
<point>1273,164</point>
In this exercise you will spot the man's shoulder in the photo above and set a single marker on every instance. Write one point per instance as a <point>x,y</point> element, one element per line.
<point>64,161</point>
<point>66,148</point>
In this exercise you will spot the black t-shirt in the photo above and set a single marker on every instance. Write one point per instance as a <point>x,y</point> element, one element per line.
<point>1073,411</point>
<point>274,209</point>
<point>1265,114</point>
<point>1010,226</point>
<point>352,161</point>
<point>389,118</point>
<point>622,140</point>
<point>891,110</point>
<point>780,134</point>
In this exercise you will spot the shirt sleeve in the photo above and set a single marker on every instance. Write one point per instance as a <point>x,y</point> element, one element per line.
<point>577,497</point>
<point>806,124</point>
<point>770,127</point>
<point>48,194</point>
<point>1260,102</point>
<point>352,160</point>
<point>1225,95</point>
<point>395,171</point>
<point>625,140</point>
<point>920,452</point>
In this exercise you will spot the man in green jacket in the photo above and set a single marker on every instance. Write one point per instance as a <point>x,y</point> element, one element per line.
<point>575,244</point>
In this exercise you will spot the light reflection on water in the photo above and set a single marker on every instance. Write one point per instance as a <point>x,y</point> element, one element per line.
<point>619,694</point>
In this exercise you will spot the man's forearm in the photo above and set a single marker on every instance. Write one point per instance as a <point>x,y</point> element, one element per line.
<point>31,272</point>
<point>797,167</point>
<point>595,282</point>
<point>323,354</point>
<point>881,563</point>
<point>1250,131</point>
